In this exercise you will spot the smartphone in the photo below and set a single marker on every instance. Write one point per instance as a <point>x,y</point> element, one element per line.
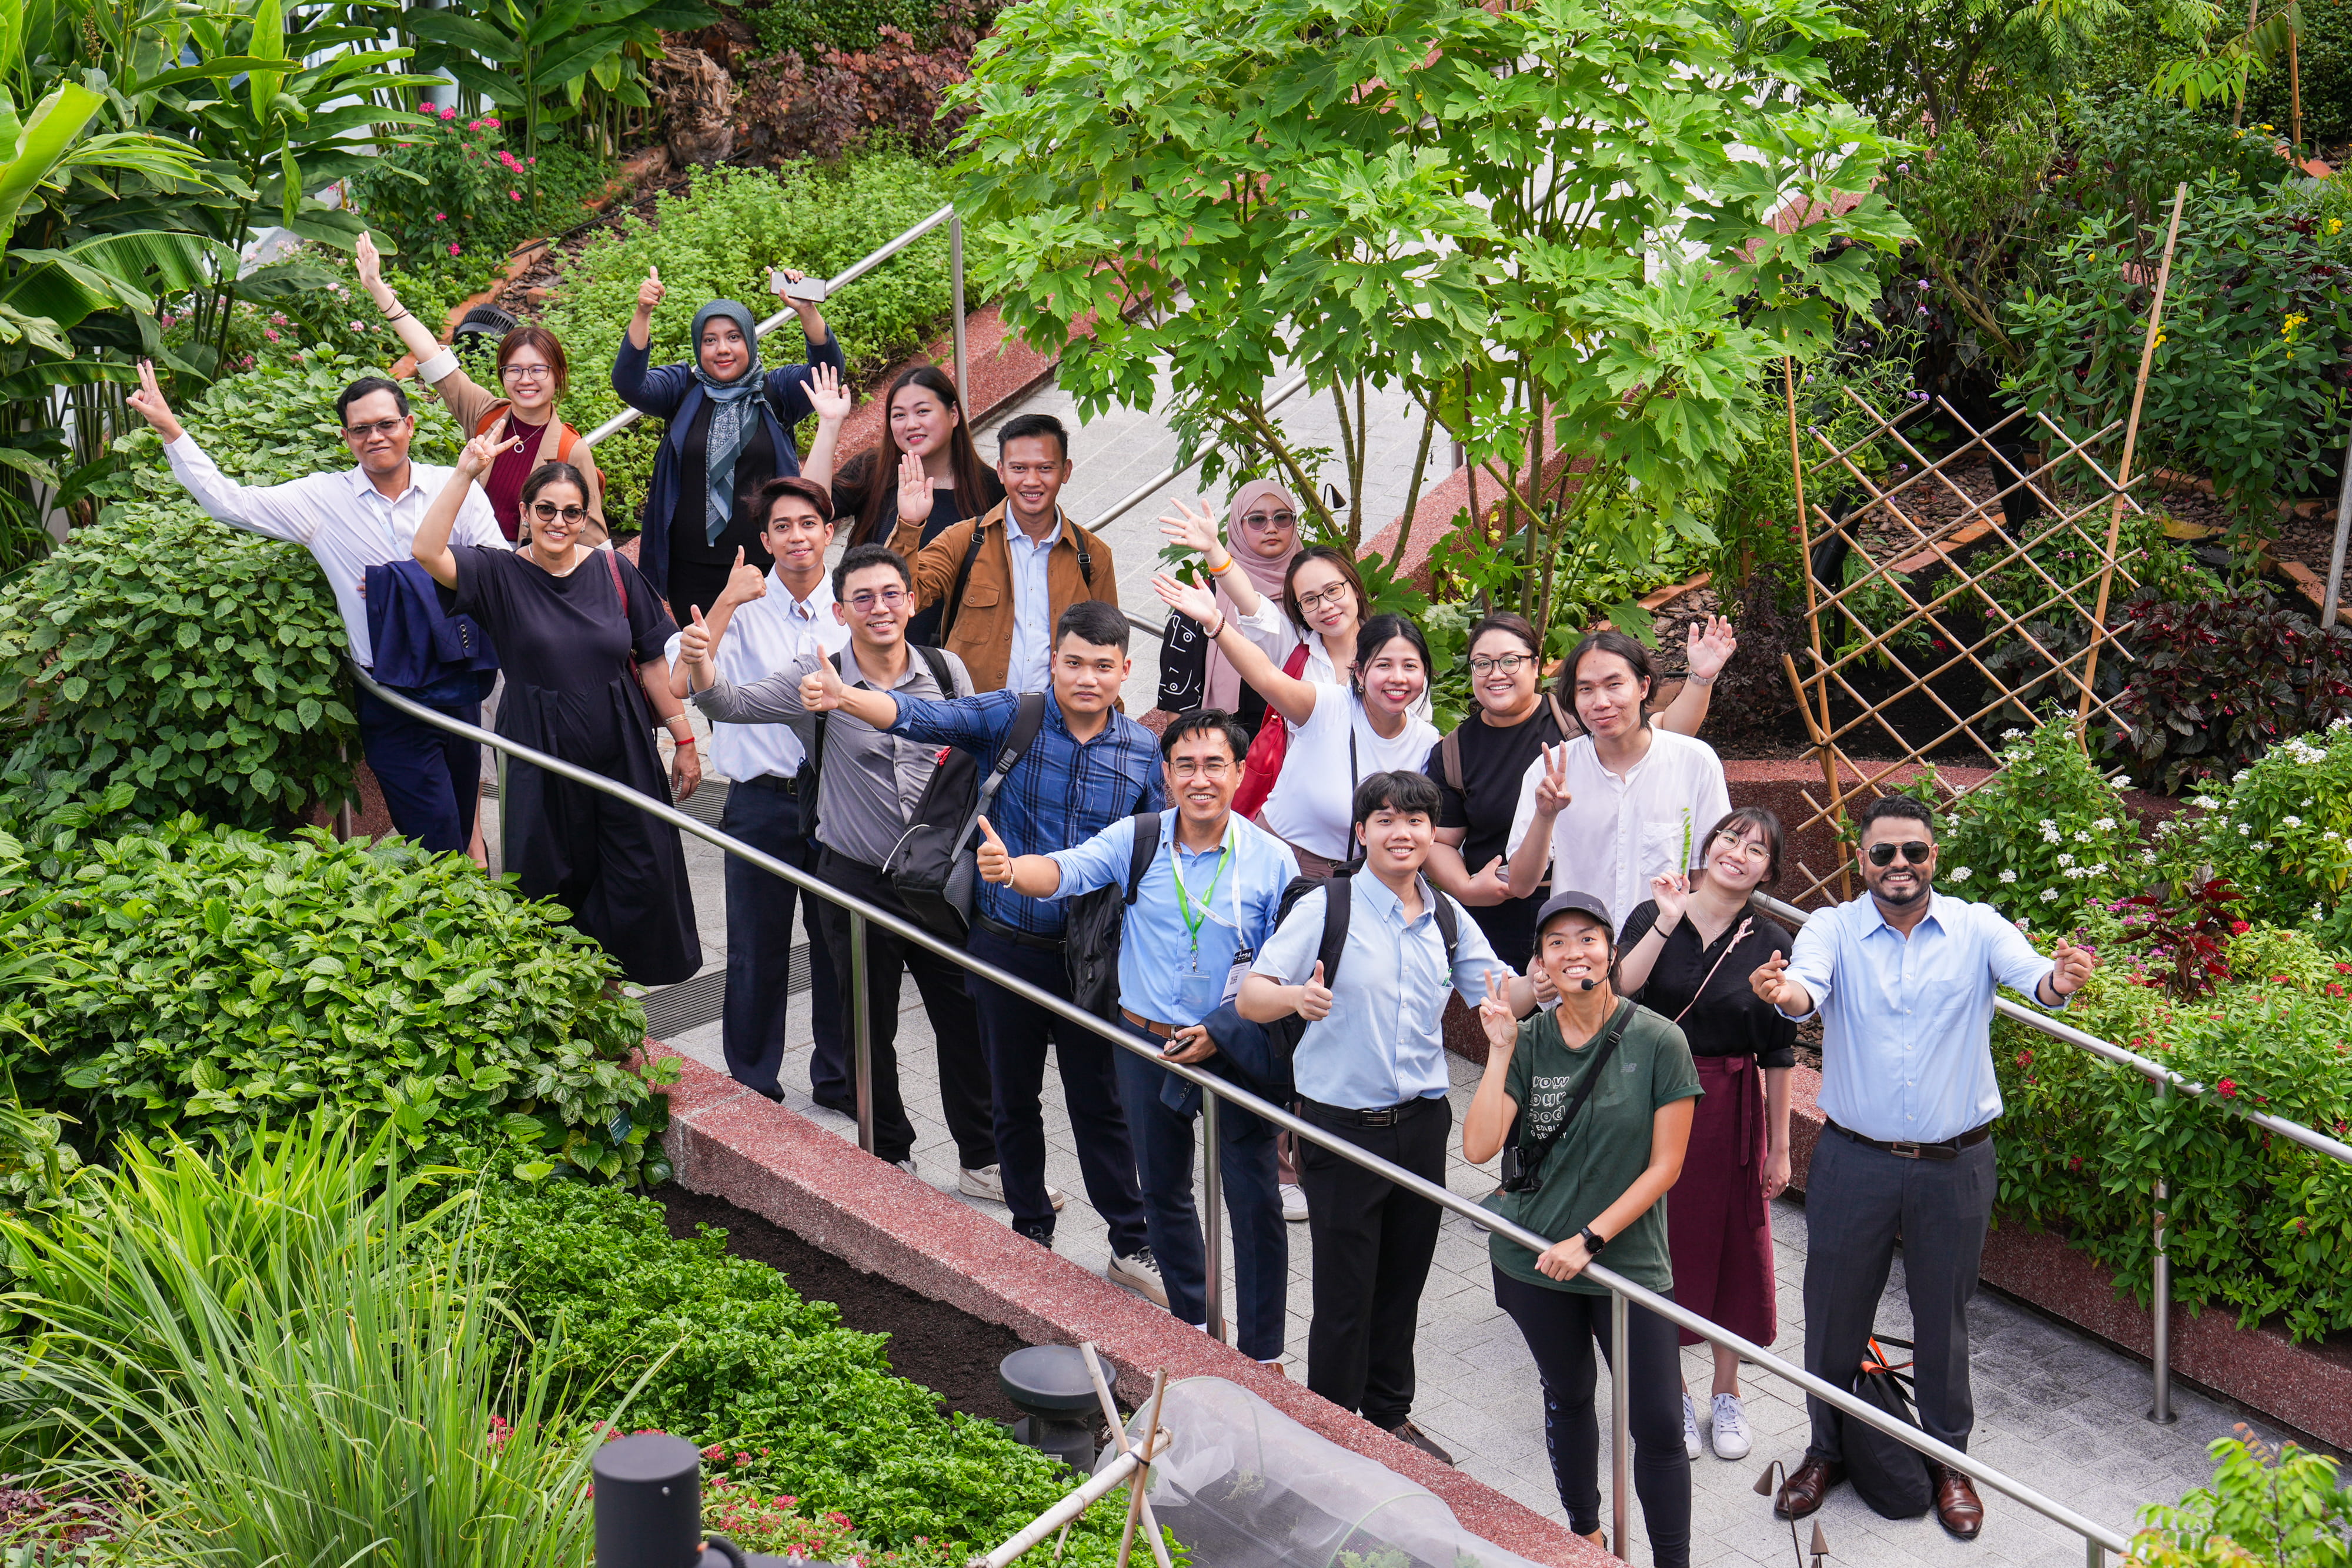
<point>809,289</point>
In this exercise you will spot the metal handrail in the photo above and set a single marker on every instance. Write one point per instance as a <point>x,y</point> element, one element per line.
<point>2098,1539</point>
<point>857,269</point>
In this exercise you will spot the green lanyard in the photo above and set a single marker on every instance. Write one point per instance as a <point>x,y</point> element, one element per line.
<point>1193,921</point>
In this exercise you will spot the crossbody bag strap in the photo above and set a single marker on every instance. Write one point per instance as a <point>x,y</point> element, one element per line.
<point>1531,1160</point>
<point>1026,721</point>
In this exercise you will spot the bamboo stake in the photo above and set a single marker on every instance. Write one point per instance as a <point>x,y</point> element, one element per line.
<point>2294,90</point>
<point>1118,1436</point>
<point>2123,471</point>
<point>2253,14</point>
<point>1142,1471</point>
<point>1813,615</point>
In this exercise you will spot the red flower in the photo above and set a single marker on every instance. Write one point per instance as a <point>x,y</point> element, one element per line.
<point>2075,1164</point>
<point>2025,1059</point>
<point>2239,928</point>
<point>2229,1088</point>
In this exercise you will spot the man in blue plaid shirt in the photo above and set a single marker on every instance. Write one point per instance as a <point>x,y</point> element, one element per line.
<point>1090,766</point>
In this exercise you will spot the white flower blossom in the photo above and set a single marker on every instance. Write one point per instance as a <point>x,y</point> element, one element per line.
<point>1961,873</point>
<point>2066,859</point>
<point>2083,837</point>
<point>2104,824</point>
<point>2292,821</point>
<point>2049,895</point>
<point>2006,877</point>
<point>2244,831</point>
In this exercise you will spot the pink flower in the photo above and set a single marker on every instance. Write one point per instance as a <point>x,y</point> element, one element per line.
<point>514,195</point>
<point>453,248</point>
<point>277,319</point>
<point>270,333</point>
<point>450,112</point>
<point>440,217</point>
<point>357,327</point>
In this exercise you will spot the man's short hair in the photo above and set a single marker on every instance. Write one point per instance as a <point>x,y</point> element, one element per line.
<point>1904,808</point>
<point>1030,426</point>
<point>1092,620</point>
<point>783,484</point>
<point>1206,720</point>
<point>367,386</point>
<point>1403,791</point>
<point>858,558</point>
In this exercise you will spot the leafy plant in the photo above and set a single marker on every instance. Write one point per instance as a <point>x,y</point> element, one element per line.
<point>2267,1508</point>
<point>2188,937</point>
<point>452,189</point>
<point>2041,837</point>
<point>823,99</point>
<point>2216,682</point>
<point>2281,833</point>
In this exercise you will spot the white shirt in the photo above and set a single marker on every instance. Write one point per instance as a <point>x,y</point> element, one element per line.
<point>1031,667</point>
<point>342,518</point>
<point>1314,801</point>
<point>763,638</point>
<point>1270,628</point>
<point>1616,833</point>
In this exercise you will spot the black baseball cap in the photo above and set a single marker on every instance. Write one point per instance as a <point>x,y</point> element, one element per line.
<point>1572,902</point>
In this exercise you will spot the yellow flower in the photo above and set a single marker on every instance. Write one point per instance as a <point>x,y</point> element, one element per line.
<point>2160,340</point>
<point>2266,128</point>
<point>2292,321</point>
<point>2334,225</point>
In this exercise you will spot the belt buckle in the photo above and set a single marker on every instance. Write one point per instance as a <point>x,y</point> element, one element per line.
<point>1902,1149</point>
<point>1377,1118</point>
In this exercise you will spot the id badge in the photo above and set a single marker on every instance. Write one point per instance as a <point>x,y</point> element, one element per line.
<point>1198,993</point>
<point>1242,957</point>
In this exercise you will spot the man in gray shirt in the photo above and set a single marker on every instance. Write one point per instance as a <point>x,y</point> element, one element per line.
<point>868,783</point>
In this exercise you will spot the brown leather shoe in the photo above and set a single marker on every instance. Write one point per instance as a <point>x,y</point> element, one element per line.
<point>1803,1493</point>
<point>1956,1508</point>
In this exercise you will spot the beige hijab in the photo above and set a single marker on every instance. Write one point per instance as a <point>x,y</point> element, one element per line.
<point>1224,683</point>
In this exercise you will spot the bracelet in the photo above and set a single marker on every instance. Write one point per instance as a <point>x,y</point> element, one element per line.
<point>679,718</point>
<point>1219,630</point>
<point>681,744</point>
<point>1219,570</point>
<point>1700,680</point>
<point>389,318</point>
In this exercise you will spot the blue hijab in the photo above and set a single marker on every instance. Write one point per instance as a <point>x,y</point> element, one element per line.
<point>733,407</point>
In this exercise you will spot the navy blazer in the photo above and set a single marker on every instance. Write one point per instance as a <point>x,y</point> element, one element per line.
<point>671,393</point>
<point>418,645</point>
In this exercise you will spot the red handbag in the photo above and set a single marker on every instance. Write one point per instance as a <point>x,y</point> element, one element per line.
<point>1263,766</point>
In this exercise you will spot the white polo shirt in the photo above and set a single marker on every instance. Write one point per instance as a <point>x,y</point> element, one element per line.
<point>1617,832</point>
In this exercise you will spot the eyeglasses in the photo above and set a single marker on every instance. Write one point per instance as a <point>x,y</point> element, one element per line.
<point>1211,767</point>
<point>1916,853</point>
<point>527,372</point>
<point>375,427</point>
<point>1752,849</point>
<point>889,599</point>
<point>1269,519</point>
<point>1508,663</point>
<point>548,511</point>
<point>1334,595</point>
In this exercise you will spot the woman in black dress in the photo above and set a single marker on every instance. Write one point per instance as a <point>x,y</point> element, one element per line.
<point>925,478</point>
<point>573,625</point>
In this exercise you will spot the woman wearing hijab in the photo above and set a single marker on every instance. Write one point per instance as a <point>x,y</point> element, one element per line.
<point>729,433</point>
<point>1262,525</point>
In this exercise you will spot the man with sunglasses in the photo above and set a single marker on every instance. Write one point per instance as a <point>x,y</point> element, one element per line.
<point>350,520</point>
<point>1904,979</point>
<point>776,616</point>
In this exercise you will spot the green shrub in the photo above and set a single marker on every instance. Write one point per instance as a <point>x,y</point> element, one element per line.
<point>2324,61</point>
<point>198,980</point>
<point>809,1409</point>
<point>2267,1508</point>
<point>2280,835</point>
<point>719,240</point>
<point>196,662</point>
<point>854,24</point>
<point>2038,840</point>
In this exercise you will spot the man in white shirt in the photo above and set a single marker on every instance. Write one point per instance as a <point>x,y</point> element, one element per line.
<point>776,617</point>
<point>1622,802</point>
<point>350,520</point>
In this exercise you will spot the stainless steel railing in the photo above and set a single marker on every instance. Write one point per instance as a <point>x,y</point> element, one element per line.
<point>2167,1081</point>
<point>1624,1294</point>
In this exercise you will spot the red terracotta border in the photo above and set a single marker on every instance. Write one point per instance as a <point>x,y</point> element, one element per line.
<point>727,1141</point>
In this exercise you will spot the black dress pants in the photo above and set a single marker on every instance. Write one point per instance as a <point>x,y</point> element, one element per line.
<point>1373,1242</point>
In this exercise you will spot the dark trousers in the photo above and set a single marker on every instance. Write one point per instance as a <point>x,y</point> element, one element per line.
<point>431,779</point>
<point>760,947</point>
<point>1014,1034</point>
<point>1163,1162</point>
<point>1562,1327</point>
<point>964,1096</point>
<point>1373,1242</point>
<point>1858,1201</point>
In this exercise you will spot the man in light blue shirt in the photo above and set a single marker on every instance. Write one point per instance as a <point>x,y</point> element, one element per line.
<point>1904,979</point>
<point>1206,901</point>
<point>1370,1069</point>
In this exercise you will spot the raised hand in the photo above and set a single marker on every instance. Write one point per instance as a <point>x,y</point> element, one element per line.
<point>914,490</point>
<point>1551,789</point>
<point>149,402</point>
<point>1671,890</point>
<point>367,263</point>
<point>1314,997</point>
<point>745,580</point>
<point>694,639</point>
<point>2073,970</point>
<point>995,861</point>
<point>1197,532</point>
<point>1197,602</point>
<point>477,454</point>
<point>1494,1016</point>
<point>650,292</point>
<point>1710,647</point>
<point>826,395</point>
<point>1772,982</point>
<point>820,688</point>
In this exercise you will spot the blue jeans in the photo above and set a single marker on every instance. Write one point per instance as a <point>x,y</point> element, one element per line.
<point>760,950</point>
<point>431,779</point>
<point>1163,1159</point>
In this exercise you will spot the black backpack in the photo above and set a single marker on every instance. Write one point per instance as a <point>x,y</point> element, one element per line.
<point>934,866</point>
<point>1284,1034</point>
<point>1890,1476</point>
<point>1095,926</point>
<point>813,765</point>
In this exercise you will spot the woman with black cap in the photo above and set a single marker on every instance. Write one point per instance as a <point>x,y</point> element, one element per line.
<point>729,433</point>
<point>1596,1130</point>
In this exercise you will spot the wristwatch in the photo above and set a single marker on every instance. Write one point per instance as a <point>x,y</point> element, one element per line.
<point>1593,1242</point>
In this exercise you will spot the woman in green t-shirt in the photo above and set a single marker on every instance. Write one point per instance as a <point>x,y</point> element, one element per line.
<point>1601,1183</point>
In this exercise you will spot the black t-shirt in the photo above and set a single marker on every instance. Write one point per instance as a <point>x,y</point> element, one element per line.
<point>754,467</point>
<point>1730,1019</point>
<point>1494,763</point>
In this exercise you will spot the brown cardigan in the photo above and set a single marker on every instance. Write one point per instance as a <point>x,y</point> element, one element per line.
<point>469,406</point>
<point>981,633</point>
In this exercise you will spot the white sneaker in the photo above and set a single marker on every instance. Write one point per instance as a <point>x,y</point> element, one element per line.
<point>1690,1426</point>
<point>1294,1202</point>
<point>1730,1438</point>
<point>988,1182</point>
<point>1139,1272</point>
<point>906,1165</point>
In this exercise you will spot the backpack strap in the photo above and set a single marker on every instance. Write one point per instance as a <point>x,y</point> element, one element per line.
<point>1531,1160</point>
<point>1086,560</point>
<point>1449,757</point>
<point>962,575</point>
<point>1026,718</point>
<point>937,663</point>
<point>1449,924</point>
<point>566,439</point>
<point>1146,850</point>
<point>489,421</point>
<point>1560,717</point>
<point>1335,901</point>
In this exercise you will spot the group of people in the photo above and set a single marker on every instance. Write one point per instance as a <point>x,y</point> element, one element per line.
<point>1309,872</point>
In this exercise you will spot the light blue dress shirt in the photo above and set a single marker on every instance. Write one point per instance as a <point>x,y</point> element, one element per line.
<point>1163,976</point>
<point>1906,1026</point>
<point>1384,1043</point>
<point>1031,666</point>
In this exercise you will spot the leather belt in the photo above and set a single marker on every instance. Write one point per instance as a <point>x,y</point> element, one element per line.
<point>1385,1116</point>
<point>1949,1149</point>
<point>1019,939</point>
<point>776,781</point>
<point>1149,1026</point>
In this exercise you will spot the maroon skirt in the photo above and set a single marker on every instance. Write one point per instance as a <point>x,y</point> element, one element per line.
<point>1719,1228</point>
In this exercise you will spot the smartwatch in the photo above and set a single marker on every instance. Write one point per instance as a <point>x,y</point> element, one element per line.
<point>1593,1242</point>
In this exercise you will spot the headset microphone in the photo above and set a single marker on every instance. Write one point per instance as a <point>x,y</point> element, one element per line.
<point>1586,985</point>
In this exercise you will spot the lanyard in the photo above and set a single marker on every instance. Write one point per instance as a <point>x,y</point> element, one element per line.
<point>1193,921</point>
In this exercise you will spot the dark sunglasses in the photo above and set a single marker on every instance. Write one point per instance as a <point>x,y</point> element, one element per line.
<point>1915,852</point>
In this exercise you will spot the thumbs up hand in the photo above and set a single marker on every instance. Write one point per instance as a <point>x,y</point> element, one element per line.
<point>1314,997</point>
<point>694,639</point>
<point>650,292</point>
<point>995,861</point>
<point>820,688</point>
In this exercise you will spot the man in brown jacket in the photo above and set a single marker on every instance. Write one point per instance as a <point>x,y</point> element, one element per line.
<point>1006,579</point>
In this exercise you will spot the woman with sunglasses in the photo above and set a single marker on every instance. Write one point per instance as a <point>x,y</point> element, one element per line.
<point>925,478</point>
<point>532,373</point>
<point>1688,951</point>
<point>581,637</point>
<point>1248,565</point>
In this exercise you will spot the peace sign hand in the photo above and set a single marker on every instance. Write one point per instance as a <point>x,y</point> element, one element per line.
<point>1314,997</point>
<point>1494,1016</point>
<point>149,401</point>
<point>480,452</point>
<point>995,861</point>
<point>1551,789</point>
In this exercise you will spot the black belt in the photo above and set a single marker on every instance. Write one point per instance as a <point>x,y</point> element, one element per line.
<point>775,781</point>
<point>1385,1116</point>
<point>1017,937</point>
<point>1949,1149</point>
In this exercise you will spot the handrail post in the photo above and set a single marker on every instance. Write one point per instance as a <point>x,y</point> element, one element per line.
<point>861,1032</point>
<point>1214,1220</point>
<point>1621,1441</point>
<point>2161,1294</point>
<point>955,273</point>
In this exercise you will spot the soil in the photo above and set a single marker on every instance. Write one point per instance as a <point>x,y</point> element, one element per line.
<point>947,1351</point>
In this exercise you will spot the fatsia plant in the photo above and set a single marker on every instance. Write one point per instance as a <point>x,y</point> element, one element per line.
<point>1552,224</point>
